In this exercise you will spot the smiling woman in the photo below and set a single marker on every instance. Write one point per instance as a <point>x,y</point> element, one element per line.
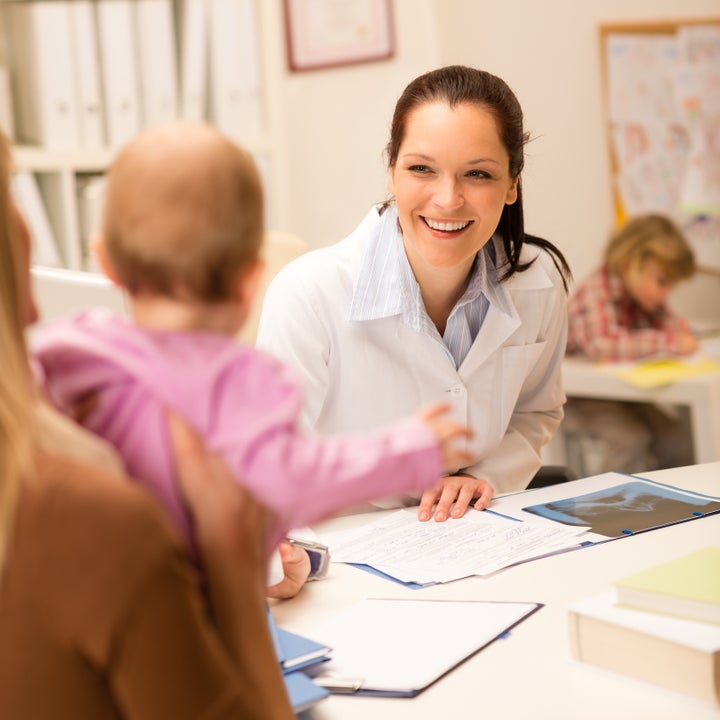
<point>451,182</point>
<point>438,295</point>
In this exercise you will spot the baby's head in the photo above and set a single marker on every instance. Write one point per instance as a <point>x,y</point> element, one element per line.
<point>651,256</point>
<point>183,215</point>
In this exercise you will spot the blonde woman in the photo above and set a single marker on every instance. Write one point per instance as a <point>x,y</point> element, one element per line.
<point>100,614</point>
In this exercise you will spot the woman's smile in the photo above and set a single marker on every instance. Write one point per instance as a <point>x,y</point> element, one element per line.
<point>446,226</point>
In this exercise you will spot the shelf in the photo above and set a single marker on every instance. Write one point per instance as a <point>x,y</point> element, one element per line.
<point>39,159</point>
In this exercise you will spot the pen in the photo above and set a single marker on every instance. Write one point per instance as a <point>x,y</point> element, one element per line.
<point>338,684</point>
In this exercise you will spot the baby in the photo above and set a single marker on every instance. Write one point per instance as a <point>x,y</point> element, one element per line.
<point>182,233</point>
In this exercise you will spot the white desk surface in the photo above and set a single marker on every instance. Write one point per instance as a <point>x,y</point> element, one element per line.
<point>529,675</point>
<point>701,394</point>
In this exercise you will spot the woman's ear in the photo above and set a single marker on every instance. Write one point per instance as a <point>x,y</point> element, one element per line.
<point>512,193</point>
<point>100,252</point>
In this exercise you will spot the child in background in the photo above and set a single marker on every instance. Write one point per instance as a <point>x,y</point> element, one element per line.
<point>182,233</point>
<point>619,314</point>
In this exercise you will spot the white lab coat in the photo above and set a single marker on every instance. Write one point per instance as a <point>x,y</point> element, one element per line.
<point>360,375</point>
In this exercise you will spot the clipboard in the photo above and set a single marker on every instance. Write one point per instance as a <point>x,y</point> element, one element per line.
<point>378,649</point>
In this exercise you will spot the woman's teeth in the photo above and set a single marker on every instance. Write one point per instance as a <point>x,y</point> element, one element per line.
<point>446,226</point>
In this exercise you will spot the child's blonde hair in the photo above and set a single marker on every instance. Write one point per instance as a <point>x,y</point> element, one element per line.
<point>654,237</point>
<point>183,213</point>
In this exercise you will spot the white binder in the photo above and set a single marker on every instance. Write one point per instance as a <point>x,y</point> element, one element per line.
<point>194,59</point>
<point>87,74</point>
<point>157,58</point>
<point>119,69</point>
<point>235,69</point>
<point>26,193</point>
<point>40,40</point>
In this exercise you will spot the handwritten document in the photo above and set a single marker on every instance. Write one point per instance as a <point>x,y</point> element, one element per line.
<point>479,543</point>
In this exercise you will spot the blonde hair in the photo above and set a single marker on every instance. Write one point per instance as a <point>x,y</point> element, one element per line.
<point>183,214</point>
<point>16,397</point>
<point>654,237</point>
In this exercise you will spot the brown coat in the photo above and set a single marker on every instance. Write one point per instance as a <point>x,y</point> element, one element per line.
<point>100,615</point>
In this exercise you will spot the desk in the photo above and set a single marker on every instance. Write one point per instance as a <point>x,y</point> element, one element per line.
<point>530,675</point>
<point>701,394</point>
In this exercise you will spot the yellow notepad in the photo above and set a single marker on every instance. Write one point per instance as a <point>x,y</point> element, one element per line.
<point>655,373</point>
<point>688,586</point>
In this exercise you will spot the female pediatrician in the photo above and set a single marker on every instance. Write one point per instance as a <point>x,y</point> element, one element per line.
<point>438,295</point>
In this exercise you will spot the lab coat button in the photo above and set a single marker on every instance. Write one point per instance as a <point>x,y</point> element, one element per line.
<point>457,390</point>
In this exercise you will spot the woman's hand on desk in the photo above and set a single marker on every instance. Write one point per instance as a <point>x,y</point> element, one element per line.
<point>459,489</point>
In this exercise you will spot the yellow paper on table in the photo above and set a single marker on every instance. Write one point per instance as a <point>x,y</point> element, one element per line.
<point>655,373</point>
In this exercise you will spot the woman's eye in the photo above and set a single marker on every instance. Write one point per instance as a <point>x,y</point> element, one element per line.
<point>478,174</point>
<point>419,169</point>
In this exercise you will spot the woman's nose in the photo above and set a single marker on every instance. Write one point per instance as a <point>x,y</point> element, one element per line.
<point>448,194</point>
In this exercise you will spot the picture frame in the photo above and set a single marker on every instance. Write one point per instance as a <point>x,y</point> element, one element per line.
<point>324,34</point>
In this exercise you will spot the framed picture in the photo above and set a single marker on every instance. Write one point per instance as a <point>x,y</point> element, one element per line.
<point>332,33</point>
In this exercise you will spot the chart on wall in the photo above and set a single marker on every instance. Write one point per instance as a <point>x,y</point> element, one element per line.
<point>662,102</point>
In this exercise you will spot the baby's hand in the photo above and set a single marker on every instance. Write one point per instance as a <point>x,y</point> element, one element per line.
<point>447,430</point>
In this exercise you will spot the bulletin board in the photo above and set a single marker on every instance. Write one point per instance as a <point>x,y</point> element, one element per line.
<point>661,89</point>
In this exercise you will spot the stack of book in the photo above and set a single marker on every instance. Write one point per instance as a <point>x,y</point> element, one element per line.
<point>297,656</point>
<point>661,625</point>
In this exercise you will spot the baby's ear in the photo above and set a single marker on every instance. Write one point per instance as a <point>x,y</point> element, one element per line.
<point>100,252</point>
<point>248,282</point>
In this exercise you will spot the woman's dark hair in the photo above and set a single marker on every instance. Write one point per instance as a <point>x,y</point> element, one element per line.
<point>456,85</point>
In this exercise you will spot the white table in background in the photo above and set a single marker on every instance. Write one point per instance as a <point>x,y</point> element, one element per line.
<point>700,394</point>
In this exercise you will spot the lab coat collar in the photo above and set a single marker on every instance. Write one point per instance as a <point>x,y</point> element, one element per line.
<point>385,285</point>
<point>377,289</point>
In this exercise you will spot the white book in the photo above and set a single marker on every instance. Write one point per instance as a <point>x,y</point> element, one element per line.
<point>679,654</point>
<point>87,74</point>
<point>235,69</point>
<point>116,36</point>
<point>193,59</point>
<point>26,192</point>
<point>40,42</point>
<point>157,61</point>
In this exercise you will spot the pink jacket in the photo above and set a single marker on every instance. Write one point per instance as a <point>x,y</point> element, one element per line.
<point>242,401</point>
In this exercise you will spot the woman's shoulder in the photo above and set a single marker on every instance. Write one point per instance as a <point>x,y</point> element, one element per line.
<point>76,501</point>
<point>322,265</point>
<point>540,266</point>
<point>58,434</point>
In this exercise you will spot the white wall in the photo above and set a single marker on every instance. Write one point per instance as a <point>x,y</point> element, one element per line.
<point>549,54</point>
<point>337,120</point>
<point>337,124</point>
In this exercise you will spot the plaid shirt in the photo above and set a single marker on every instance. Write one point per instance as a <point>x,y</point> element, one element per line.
<point>605,323</point>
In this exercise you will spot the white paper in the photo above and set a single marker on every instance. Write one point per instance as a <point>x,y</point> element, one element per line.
<point>479,543</point>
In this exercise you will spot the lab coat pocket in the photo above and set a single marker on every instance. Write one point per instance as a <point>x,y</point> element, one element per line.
<point>518,363</point>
